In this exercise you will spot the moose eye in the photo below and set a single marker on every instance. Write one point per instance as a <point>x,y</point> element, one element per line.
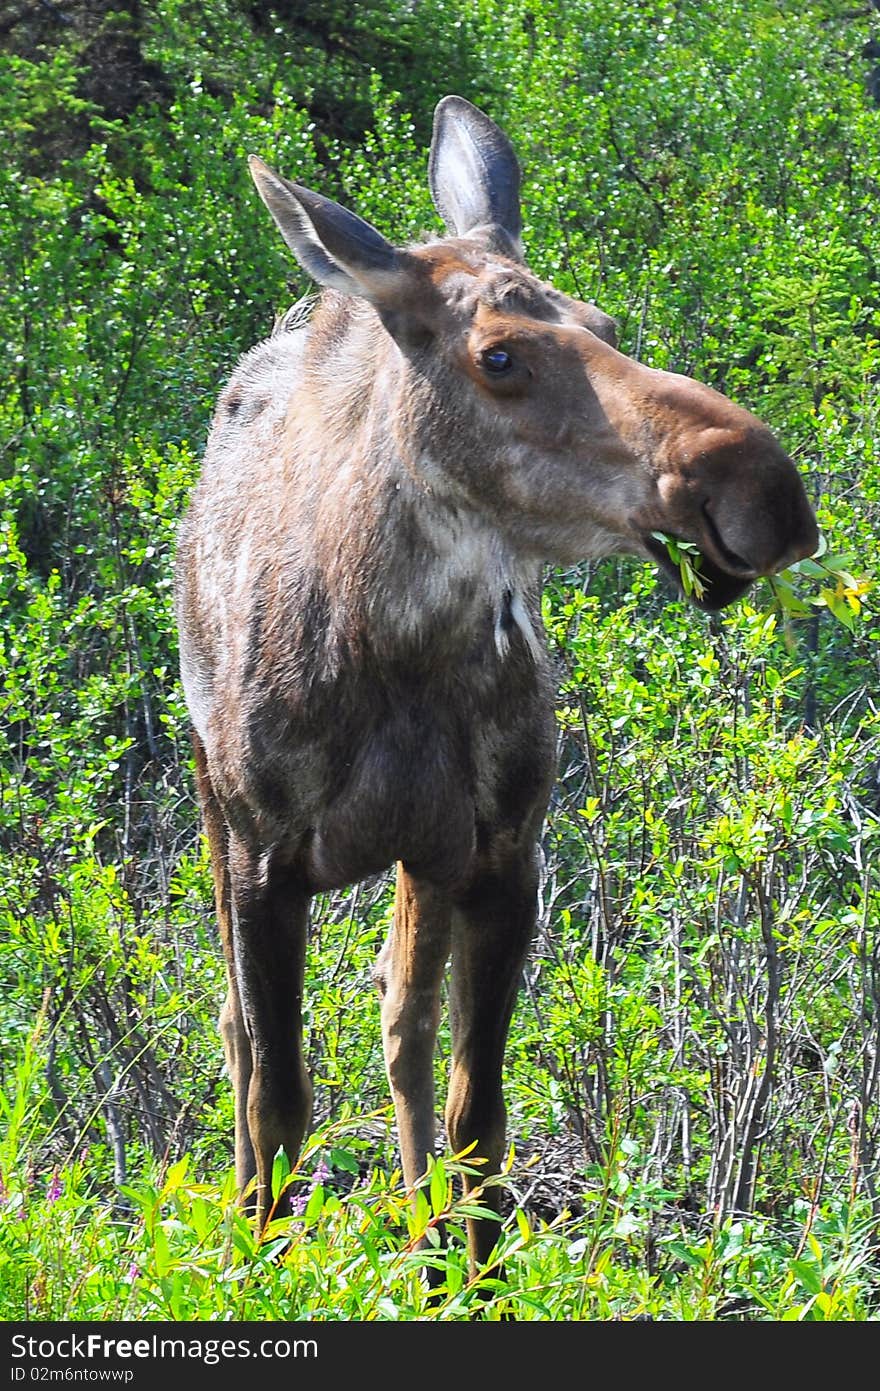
<point>497,361</point>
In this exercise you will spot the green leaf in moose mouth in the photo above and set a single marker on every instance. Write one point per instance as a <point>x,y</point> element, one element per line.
<point>842,589</point>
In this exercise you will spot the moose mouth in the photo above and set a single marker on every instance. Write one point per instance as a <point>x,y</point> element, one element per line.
<point>721,587</point>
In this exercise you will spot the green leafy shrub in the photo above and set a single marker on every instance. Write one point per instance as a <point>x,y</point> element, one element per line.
<point>691,1075</point>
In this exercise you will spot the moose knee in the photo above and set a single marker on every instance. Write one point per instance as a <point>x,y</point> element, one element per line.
<point>409,1030</point>
<point>382,971</point>
<point>236,1044</point>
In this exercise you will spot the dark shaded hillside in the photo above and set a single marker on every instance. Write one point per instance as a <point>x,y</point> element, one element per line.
<point>122,57</point>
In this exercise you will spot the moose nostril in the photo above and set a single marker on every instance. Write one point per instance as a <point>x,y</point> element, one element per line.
<point>732,560</point>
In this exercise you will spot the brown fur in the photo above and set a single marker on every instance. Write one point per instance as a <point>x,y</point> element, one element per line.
<point>358,592</point>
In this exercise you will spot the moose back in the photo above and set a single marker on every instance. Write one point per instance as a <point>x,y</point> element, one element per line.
<point>358,601</point>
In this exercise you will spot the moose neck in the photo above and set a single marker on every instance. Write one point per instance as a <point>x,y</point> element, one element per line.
<point>411,566</point>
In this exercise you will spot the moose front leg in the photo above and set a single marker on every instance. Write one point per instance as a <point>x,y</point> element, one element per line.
<point>409,974</point>
<point>492,930</point>
<point>237,1051</point>
<point>236,1044</point>
<point>269,923</point>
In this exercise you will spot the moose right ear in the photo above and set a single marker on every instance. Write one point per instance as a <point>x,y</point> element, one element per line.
<point>336,247</point>
<point>474,176</point>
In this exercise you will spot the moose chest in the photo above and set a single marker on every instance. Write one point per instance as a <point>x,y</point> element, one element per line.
<point>413,775</point>
<point>404,788</point>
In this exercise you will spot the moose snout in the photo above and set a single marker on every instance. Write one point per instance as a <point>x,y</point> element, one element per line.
<point>720,478</point>
<point>755,517</point>
<point>733,492</point>
<point>725,484</point>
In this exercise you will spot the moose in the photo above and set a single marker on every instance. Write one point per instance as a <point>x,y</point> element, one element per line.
<point>358,589</point>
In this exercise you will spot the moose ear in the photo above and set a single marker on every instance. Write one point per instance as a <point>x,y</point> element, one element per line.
<point>336,247</point>
<point>474,176</point>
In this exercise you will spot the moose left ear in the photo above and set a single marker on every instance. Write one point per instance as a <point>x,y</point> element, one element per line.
<point>336,247</point>
<point>474,177</point>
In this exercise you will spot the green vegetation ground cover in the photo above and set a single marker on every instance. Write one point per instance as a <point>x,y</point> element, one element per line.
<point>692,1077</point>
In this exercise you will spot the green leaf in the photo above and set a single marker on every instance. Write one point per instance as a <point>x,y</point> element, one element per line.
<point>175,1176</point>
<point>522,1222</point>
<point>838,606</point>
<point>161,1249</point>
<point>344,1160</point>
<point>439,1188</point>
<point>808,1276</point>
<point>315,1205</point>
<point>280,1173</point>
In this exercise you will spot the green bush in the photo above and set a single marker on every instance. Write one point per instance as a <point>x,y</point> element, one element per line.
<point>692,1072</point>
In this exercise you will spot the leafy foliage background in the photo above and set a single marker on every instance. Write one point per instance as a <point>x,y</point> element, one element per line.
<point>693,1069</point>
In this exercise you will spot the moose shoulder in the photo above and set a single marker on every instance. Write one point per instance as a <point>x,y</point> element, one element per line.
<point>358,600</point>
